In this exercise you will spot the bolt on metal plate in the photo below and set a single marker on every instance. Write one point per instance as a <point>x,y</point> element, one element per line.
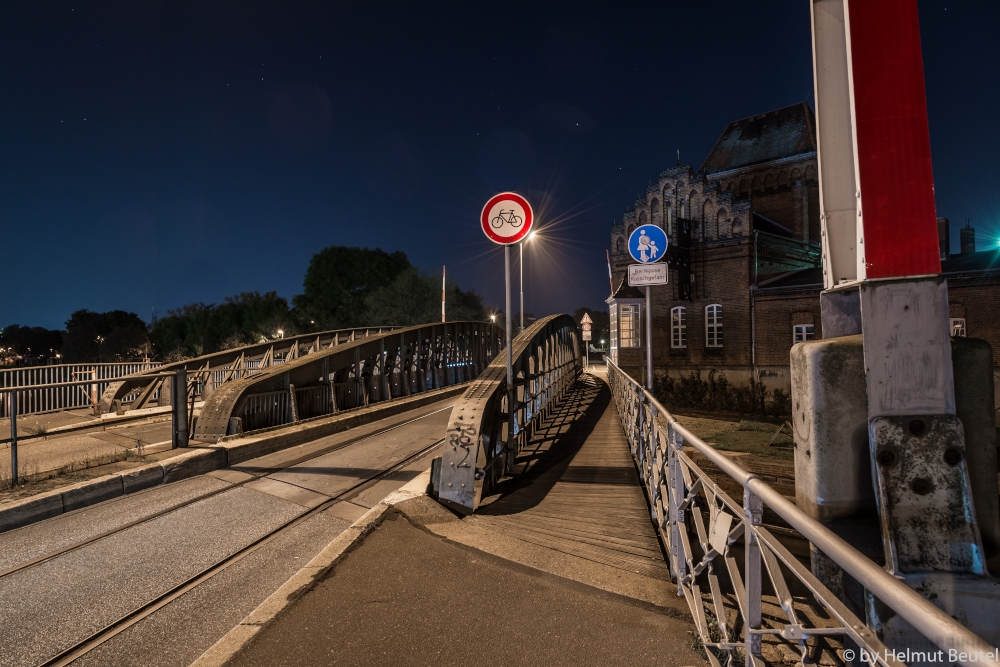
<point>924,496</point>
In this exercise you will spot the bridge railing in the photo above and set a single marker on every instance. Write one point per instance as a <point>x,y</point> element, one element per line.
<point>705,531</point>
<point>208,372</point>
<point>33,400</point>
<point>546,360</point>
<point>350,374</point>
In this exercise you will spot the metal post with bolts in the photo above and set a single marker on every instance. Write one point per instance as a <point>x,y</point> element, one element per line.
<point>179,413</point>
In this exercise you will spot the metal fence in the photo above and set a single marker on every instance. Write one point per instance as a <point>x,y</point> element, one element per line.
<point>706,531</point>
<point>347,374</point>
<point>52,399</point>
<point>208,372</point>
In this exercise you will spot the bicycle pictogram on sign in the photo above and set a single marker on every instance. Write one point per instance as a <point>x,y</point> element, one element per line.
<point>509,217</point>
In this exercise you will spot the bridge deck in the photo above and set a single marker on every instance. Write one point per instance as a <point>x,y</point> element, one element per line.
<point>575,510</point>
<point>576,490</point>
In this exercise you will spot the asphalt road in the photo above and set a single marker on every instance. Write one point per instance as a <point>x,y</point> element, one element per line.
<point>52,605</point>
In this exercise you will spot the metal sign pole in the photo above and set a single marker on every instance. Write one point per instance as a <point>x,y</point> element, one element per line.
<point>647,244</point>
<point>510,368</point>
<point>649,337</point>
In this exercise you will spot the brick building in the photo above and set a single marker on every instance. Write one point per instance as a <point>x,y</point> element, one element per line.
<point>746,219</point>
<point>745,260</point>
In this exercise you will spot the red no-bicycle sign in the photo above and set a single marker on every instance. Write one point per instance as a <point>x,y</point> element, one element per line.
<point>507,218</point>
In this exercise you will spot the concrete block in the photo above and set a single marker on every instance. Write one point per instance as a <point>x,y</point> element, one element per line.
<point>830,427</point>
<point>142,478</point>
<point>196,462</point>
<point>30,510</point>
<point>974,406</point>
<point>91,492</point>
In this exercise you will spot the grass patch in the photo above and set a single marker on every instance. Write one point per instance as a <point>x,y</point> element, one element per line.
<point>755,442</point>
<point>763,427</point>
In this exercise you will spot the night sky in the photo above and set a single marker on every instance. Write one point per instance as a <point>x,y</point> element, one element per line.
<point>154,154</point>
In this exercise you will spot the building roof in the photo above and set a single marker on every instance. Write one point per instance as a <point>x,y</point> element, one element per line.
<point>972,261</point>
<point>774,135</point>
<point>812,277</point>
<point>626,291</point>
<point>765,224</point>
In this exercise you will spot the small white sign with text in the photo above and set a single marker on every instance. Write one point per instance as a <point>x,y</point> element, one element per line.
<point>647,274</point>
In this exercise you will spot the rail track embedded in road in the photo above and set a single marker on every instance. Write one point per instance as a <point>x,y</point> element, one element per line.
<point>98,638</point>
<point>204,496</point>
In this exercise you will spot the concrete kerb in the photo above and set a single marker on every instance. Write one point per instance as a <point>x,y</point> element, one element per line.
<point>306,578</point>
<point>201,460</point>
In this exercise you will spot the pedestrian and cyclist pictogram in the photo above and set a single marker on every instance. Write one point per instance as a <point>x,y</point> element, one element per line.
<point>506,218</point>
<point>647,244</point>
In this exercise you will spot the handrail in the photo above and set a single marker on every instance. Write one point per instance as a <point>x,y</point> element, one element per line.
<point>674,483</point>
<point>351,374</point>
<point>546,360</point>
<point>217,368</point>
<point>39,395</point>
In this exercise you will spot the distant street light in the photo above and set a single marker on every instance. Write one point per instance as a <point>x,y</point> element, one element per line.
<point>493,318</point>
<point>281,333</point>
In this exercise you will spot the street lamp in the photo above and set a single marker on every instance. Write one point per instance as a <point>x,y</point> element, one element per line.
<point>520,247</point>
<point>281,333</point>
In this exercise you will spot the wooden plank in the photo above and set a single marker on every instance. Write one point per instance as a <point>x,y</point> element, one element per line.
<point>578,492</point>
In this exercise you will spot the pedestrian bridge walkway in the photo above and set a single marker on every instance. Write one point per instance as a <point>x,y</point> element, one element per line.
<point>559,565</point>
<point>589,536</point>
<point>575,489</point>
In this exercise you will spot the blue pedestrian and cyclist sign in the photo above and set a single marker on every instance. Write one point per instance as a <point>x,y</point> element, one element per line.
<point>647,245</point>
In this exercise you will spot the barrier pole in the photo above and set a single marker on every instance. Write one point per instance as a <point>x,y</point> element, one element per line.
<point>13,438</point>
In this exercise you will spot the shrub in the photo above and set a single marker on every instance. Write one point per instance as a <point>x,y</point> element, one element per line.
<point>717,394</point>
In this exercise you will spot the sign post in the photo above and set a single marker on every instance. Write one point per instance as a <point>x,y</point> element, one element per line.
<point>506,219</point>
<point>586,324</point>
<point>648,245</point>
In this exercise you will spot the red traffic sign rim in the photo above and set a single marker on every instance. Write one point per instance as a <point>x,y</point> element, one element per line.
<point>529,218</point>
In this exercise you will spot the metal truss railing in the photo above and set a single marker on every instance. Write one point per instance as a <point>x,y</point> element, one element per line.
<point>546,360</point>
<point>351,374</point>
<point>208,372</point>
<point>36,400</point>
<point>726,597</point>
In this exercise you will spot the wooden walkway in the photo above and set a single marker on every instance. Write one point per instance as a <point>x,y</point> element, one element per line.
<point>576,490</point>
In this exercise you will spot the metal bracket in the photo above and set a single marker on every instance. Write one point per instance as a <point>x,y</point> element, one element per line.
<point>924,496</point>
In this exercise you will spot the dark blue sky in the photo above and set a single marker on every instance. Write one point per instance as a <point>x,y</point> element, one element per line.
<point>155,154</point>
